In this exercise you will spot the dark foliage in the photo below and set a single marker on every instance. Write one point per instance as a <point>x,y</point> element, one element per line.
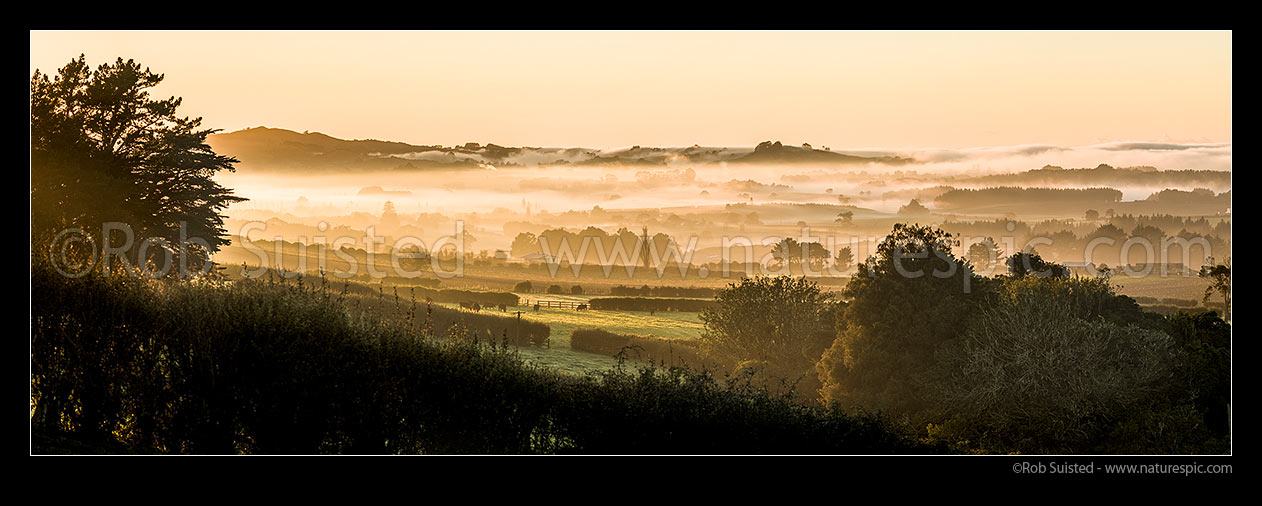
<point>1021,265</point>
<point>103,151</point>
<point>257,367</point>
<point>912,296</point>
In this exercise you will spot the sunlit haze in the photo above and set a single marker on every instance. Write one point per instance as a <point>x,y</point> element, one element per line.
<point>885,89</point>
<point>617,242</point>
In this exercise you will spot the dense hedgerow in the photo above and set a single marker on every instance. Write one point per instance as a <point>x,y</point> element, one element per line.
<point>676,352</point>
<point>450,295</point>
<point>256,367</point>
<point>663,291</point>
<point>646,304</point>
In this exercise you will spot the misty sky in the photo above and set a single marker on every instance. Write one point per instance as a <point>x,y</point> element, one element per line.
<point>605,89</point>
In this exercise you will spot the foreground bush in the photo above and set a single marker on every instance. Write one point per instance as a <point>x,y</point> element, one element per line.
<point>266,368</point>
<point>1029,375</point>
<point>1061,365</point>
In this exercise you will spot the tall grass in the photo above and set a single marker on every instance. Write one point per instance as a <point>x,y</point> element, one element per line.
<point>259,367</point>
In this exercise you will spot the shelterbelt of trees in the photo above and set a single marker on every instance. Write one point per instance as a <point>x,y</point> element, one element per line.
<point>1034,361</point>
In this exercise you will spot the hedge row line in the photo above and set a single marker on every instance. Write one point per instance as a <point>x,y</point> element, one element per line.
<point>650,304</point>
<point>672,352</point>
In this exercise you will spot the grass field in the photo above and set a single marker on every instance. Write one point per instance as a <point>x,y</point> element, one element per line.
<point>672,325</point>
<point>1164,287</point>
<point>669,325</point>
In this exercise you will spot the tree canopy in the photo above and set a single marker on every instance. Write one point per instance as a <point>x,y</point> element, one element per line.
<point>779,325</point>
<point>903,302</point>
<point>103,150</point>
<point>1044,364</point>
<point>1025,264</point>
<point>1219,276</point>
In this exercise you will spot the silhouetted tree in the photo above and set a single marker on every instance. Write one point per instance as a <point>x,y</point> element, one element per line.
<point>791,252</point>
<point>903,302</point>
<point>524,244</point>
<point>913,208</point>
<point>103,151</point>
<point>1219,276</point>
<point>389,217</point>
<point>1025,264</point>
<point>844,258</point>
<point>777,325</point>
<point>984,254</point>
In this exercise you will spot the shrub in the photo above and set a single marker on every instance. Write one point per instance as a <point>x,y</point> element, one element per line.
<point>1040,371</point>
<point>778,325</point>
<point>576,290</point>
<point>555,289</point>
<point>524,287</point>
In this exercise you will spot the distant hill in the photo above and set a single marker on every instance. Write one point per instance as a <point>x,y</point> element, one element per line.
<point>265,149</point>
<point>774,152</point>
<point>275,149</point>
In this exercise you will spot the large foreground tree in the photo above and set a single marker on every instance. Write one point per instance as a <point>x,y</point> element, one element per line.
<point>103,151</point>
<point>776,327</point>
<point>904,301</point>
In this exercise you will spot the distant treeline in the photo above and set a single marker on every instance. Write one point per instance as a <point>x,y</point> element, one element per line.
<point>662,291</point>
<point>1168,224</point>
<point>1186,242</point>
<point>277,369</point>
<point>593,245</point>
<point>1010,195</point>
<point>1166,306</point>
<point>1109,176</point>
<point>650,304</point>
<point>482,298</point>
<point>1149,301</point>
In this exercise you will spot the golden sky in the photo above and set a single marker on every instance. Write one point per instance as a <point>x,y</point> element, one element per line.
<point>886,89</point>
